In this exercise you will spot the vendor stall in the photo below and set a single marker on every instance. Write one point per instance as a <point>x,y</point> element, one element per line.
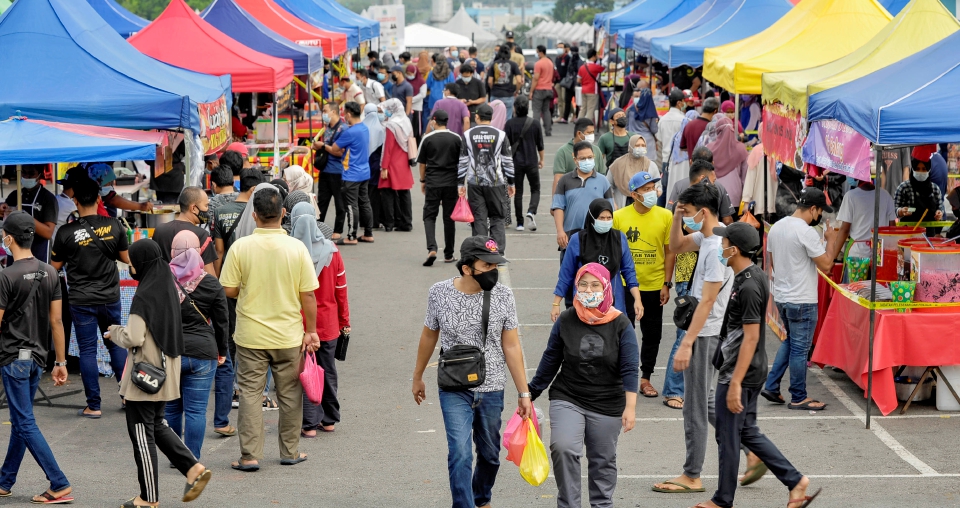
<point>123,21</point>
<point>322,16</point>
<point>27,141</point>
<point>293,28</point>
<point>678,12</point>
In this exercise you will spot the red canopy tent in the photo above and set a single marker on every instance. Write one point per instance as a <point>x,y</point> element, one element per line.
<point>279,20</point>
<point>180,37</point>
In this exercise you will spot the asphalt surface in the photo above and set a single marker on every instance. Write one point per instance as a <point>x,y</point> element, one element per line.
<point>388,451</point>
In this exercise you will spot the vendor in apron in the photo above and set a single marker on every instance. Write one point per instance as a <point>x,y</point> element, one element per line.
<point>40,203</point>
<point>919,199</point>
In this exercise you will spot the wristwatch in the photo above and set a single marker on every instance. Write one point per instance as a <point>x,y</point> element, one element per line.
<point>524,395</point>
<point>60,364</point>
<point>668,284</point>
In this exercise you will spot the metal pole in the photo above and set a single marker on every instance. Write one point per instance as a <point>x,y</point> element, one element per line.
<point>736,114</point>
<point>310,109</point>
<point>19,188</point>
<point>276,137</point>
<point>873,286</point>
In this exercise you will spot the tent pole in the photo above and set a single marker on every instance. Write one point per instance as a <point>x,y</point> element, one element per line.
<point>873,287</point>
<point>736,114</point>
<point>276,137</point>
<point>310,108</point>
<point>20,188</point>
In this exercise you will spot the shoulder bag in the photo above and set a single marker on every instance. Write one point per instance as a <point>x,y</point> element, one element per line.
<point>463,367</point>
<point>102,247</point>
<point>686,306</point>
<point>527,123</point>
<point>322,156</point>
<point>147,376</point>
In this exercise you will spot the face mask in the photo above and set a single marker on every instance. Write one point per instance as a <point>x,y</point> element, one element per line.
<point>410,76</point>
<point>602,226</point>
<point>29,183</point>
<point>691,223</point>
<point>394,79</point>
<point>487,280</point>
<point>387,114</point>
<point>851,181</point>
<point>816,221</point>
<point>382,117</point>
<point>590,300</point>
<point>381,76</point>
<point>104,191</point>
<point>587,165</point>
<point>589,138</point>
<point>466,79</point>
<point>462,59</point>
<point>640,152</point>
<point>5,245</point>
<point>650,199</point>
<point>326,118</point>
<point>723,260</point>
<point>621,122</point>
<point>921,177</point>
<point>203,216</point>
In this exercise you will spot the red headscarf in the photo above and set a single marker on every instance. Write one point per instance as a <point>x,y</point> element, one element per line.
<point>728,153</point>
<point>605,312</point>
<point>417,80</point>
<point>923,152</point>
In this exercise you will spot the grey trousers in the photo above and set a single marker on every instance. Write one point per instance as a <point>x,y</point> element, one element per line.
<point>572,427</point>
<point>698,404</point>
<point>541,109</point>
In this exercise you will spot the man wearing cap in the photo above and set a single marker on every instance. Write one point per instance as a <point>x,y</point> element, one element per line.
<point>669,126</point>
<point>742,367</point>
<point>40,204</point>
<point>575,191</point>
<point>30,310</point>
<point>402,89</point>
<point>458,115</point>
<point>438,158</point>
<point>455,311</point>
<point>797,250</point>
<point>486,164</point>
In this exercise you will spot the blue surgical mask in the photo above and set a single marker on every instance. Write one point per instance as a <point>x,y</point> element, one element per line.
<point>104,191</point>
<point>587,165</point>
<point>387,114</point>
<point>28,183</point>
<point>851,181</point>
<point>326,118</point>
<point>381,76</point>
<point>723,260</point>
<point>921,176</point>
<point>382,117</point>
<point>650,199</point>
<point>692,224</point>
<point>602,226</point>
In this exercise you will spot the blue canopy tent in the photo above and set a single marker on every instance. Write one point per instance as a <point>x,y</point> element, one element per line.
<point>599,20</point>
<point>232,20</point>
<point>894,6</point>
<point>644,12</point>
<point>903,103</point>
<point>123,21</point>
<point>64,63</point>
<point>740,20</point>
<point>320,16</point>
<point>23,141</point>
<point>704,13</point>
<point>625,35</point>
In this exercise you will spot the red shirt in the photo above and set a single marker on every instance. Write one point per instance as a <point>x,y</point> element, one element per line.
<point>333,310</point>
<point>691,134</point>
<point>589,72</point>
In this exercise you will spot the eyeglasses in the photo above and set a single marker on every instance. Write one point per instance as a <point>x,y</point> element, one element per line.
<point>589,286</point>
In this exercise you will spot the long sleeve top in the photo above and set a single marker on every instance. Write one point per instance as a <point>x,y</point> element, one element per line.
<point>485,159</point>
<point>136,335</point>
<point>200,340</point>
<point>571,263</point>
<point>333,308</point>
<point>397,163</point>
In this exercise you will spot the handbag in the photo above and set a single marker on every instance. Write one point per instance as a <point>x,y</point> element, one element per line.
<point>311,377</point>
<point>463,366</point>
<point>147,376</point>
<point>686,306</point>
<point>568,81</point>
<point>342,343</point>
<point>322,156</point>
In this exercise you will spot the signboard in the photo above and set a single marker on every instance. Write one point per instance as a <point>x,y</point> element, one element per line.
<point>392,22</point>
<point>214,125</point>
<point>783,133</point>
<point>836,146</point>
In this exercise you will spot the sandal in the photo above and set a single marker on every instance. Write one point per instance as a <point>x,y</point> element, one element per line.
<point>807,501</point>
<point>89,415</point>
<point>246,468</point>
<point>667,402</point>
<point>270,404</point>
<point>431,258</point>
<point>227,431</point>
<point>753,474</point>
<point>304,435</point>
<point>449,260</point>
<point>49,499</point>
<point>365,239</point>
<point>806,406</point>
<point>193,490</point>
<point>5,494</point>
<point>293,462</point>
<point>131,504</point>
<point>683,488</point>
<point>648,390</point>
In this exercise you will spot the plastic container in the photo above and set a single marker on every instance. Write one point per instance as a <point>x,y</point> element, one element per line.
<point>888,250</point>
<point>938,273</point>
<point>903,255</point>
<point>858,269</point>
<point>945,400</point>
<point>903,291</point>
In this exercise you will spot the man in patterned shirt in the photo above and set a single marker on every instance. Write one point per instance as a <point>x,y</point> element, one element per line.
<point>454,317</point>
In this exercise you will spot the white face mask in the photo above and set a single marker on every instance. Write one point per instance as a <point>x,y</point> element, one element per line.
<point>639,151</point>
<point>921,176</point>
<point>589,138</point>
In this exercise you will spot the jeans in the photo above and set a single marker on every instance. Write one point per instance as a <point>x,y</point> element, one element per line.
<point>476,413</point>
<point>541,109</point>
<point>223,394</point>
<point>328,186</point>
<point>90,321</point>
<point>508,103</point>
<point>673,381</point>
<point>435,197</point>
<point>187,416</point>
<point>20,380</point>
<point>532,175</point>
<point>487,203</point>
<point>800,321</point>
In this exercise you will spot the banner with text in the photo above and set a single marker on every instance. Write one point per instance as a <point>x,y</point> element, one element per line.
<point>783,133</point>
<point>836,146</point>
<point>214,125</point>
<point>392,20</point>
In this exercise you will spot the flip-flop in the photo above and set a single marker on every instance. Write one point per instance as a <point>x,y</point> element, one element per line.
<point>7,494</point>
<point>246,468</point>
<point>666,402</point>
<point>684,489</point>
<point>806,406</point>
<point>774,397</point>
<point>305,436</point>
<point>232,431</point>
<point>363,239</point>
<point>49,499</point>
<point>807,501</point>
<point>323,428</point>
<point>341,241</point>
<point>753,474</point>
<point>430,260</point>
<point>293,462</point>
<point>131,504</point>
<point>88,415</point>
<point>193,490</point>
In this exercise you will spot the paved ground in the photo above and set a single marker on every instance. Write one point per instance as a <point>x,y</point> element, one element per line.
<point>390,452</point>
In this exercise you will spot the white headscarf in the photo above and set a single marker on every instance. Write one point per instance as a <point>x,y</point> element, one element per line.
<point>371,119</point>
<point>247,224</point>
<point>398,123</point>
<point>297,179</point>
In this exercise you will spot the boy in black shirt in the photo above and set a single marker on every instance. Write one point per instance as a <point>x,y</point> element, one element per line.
<point>741,361</point>
<point>471,91</point>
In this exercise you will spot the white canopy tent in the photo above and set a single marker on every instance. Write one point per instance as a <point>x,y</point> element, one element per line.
<point>549,33</point>
<point>419,36</point>
<point>461,23</point>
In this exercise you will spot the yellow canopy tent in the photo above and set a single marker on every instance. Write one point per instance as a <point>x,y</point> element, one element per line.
<point>812,33</point>
<point>919,25</point>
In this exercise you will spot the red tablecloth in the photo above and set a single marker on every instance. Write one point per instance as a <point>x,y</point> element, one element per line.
<point>919,339</point>
<point>825,294</point>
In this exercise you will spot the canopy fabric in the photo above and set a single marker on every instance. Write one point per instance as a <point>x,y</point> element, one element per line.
<point>341,16</point>
<point>739,20</point>
<point>908,102</point>
<point>636,14</point>
<point>24,141</point>
<point>123,21</point>
<point>812,33</point>
<point>230,19</point>
<point>315,15</point>
<point>894,6</point>
<point>697,17</point>
<point>71,66</point>
<point>180,37</point>
<point>293,28</point>
<point>462,23</point>
<point>625,35</point>
<point>419,35</point>
<point>920,24</point>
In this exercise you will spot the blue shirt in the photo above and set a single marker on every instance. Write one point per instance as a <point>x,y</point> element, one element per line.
<point>435,89</point>
<point>356,154</point>
<point>573,196</point>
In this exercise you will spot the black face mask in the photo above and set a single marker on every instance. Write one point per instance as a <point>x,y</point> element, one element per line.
<point>203,216</point>
<point>621,122</point>
<point>816,221</point>
<point>487,280</point>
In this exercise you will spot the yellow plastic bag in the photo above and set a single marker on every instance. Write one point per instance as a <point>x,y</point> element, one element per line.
<point>535,465</point>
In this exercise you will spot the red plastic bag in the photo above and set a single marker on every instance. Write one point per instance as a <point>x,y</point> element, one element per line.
<point>514,424</point>
<point>462,212</point>
<point>312,378</point>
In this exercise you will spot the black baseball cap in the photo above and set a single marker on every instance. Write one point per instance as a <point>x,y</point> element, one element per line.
<point>814,197</point>
<point>509,34</point>
<point>483,248</point>
<point>19,224</point>
<point>741,235</point>
<point>441,115</point>
<point>485,112</point>
<point>72,176</point>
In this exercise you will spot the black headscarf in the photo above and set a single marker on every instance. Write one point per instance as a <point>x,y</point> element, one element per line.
<point>628,88</point>
<point>923,192</point>
<point>156,299</point>
<point>600,248</point>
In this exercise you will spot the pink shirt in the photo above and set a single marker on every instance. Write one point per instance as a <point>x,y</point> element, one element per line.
<point>544,67</point>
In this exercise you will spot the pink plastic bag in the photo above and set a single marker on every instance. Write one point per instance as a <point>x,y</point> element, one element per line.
<point>462,212</point>
<point>312,378</point>
<point>518,431</point>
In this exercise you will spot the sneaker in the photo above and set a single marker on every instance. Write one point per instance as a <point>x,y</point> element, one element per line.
<point>520,227</point>
<point>532,221</point>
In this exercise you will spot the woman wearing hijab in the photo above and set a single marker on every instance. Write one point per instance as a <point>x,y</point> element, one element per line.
<point>437,79</point>
<point>918,198</point>
<point>615,143</point>
<point>729,159</point>
<point>499,119</point>
<point>591,365</point>
<point>620,172</point>
<point>396,178</point>
<point>630,92</point>
<point>333,317</point>
<point>678,169</point>
<point>599,243</point>
<point>419,93</point>
<point>154,335</point>
<point>246,224</point>
<point>297,179</point>
<point>642,118</point>
<point>371,118</point>
<point>202,299</point>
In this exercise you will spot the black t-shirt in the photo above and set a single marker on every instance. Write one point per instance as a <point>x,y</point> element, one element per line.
<point>92,276</point>
<point>42,205</point>
<point>200,340</point>
<point>224,221</point>
<point>440,151</point>
<point>30,329</point>
<point>504,75</point>
<point>164,234</point>
<point>526,155</point>
<point>471,91</point>
<point>747,306</point>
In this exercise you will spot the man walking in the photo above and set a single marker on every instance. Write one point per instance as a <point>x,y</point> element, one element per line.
<point>541,93</point>
<point>587,76</point>
<point>402,89</point>
<point>438,158</point>
<point>669,126</point>
<point>470,89</point>
<point>30,305</point>
<point>564,65</point>
<point>270,329</point>
<point>352,147</point>
<point>564,162</point>
<point>796,248</point>
<point>455,109</point>
<point>504,79</point>
<point>574,193</point>
<point>526,142</point>
<point>486,163</point>
<point>331,174</point>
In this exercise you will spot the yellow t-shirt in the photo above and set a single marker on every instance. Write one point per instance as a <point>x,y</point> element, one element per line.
<point>271,269</point>
<point>646,236</point>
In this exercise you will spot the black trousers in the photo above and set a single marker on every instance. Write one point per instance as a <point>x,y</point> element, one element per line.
<point>533,176</point>
<point>488,203</point>
<point>329,186</point>
<point>396,209</point>
<point>372,191</point>
<point>327,412</point>
<point>149,431</point>
<point>358,210</point>
<point>437,196</point>
<point>651,326</point>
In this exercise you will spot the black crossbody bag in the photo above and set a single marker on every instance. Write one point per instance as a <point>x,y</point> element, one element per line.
<point>147,376</point>
<point>463,367</point>
<point>686,306</point>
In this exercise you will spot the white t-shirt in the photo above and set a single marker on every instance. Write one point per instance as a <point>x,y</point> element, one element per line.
<point>793,245</point>
<point>857,210</point>
<point>709,269</point>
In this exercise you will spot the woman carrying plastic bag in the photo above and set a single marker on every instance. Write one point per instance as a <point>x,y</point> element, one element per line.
<point>594,395</point>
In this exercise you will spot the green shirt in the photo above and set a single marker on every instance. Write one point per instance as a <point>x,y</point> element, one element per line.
<point>563,162</point>
<point>608,141</point>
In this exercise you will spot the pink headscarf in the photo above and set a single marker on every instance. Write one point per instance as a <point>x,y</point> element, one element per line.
<point>605,312</point>
<point>499,119</point>
<point>186,265</point>
<point>728,152</point>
